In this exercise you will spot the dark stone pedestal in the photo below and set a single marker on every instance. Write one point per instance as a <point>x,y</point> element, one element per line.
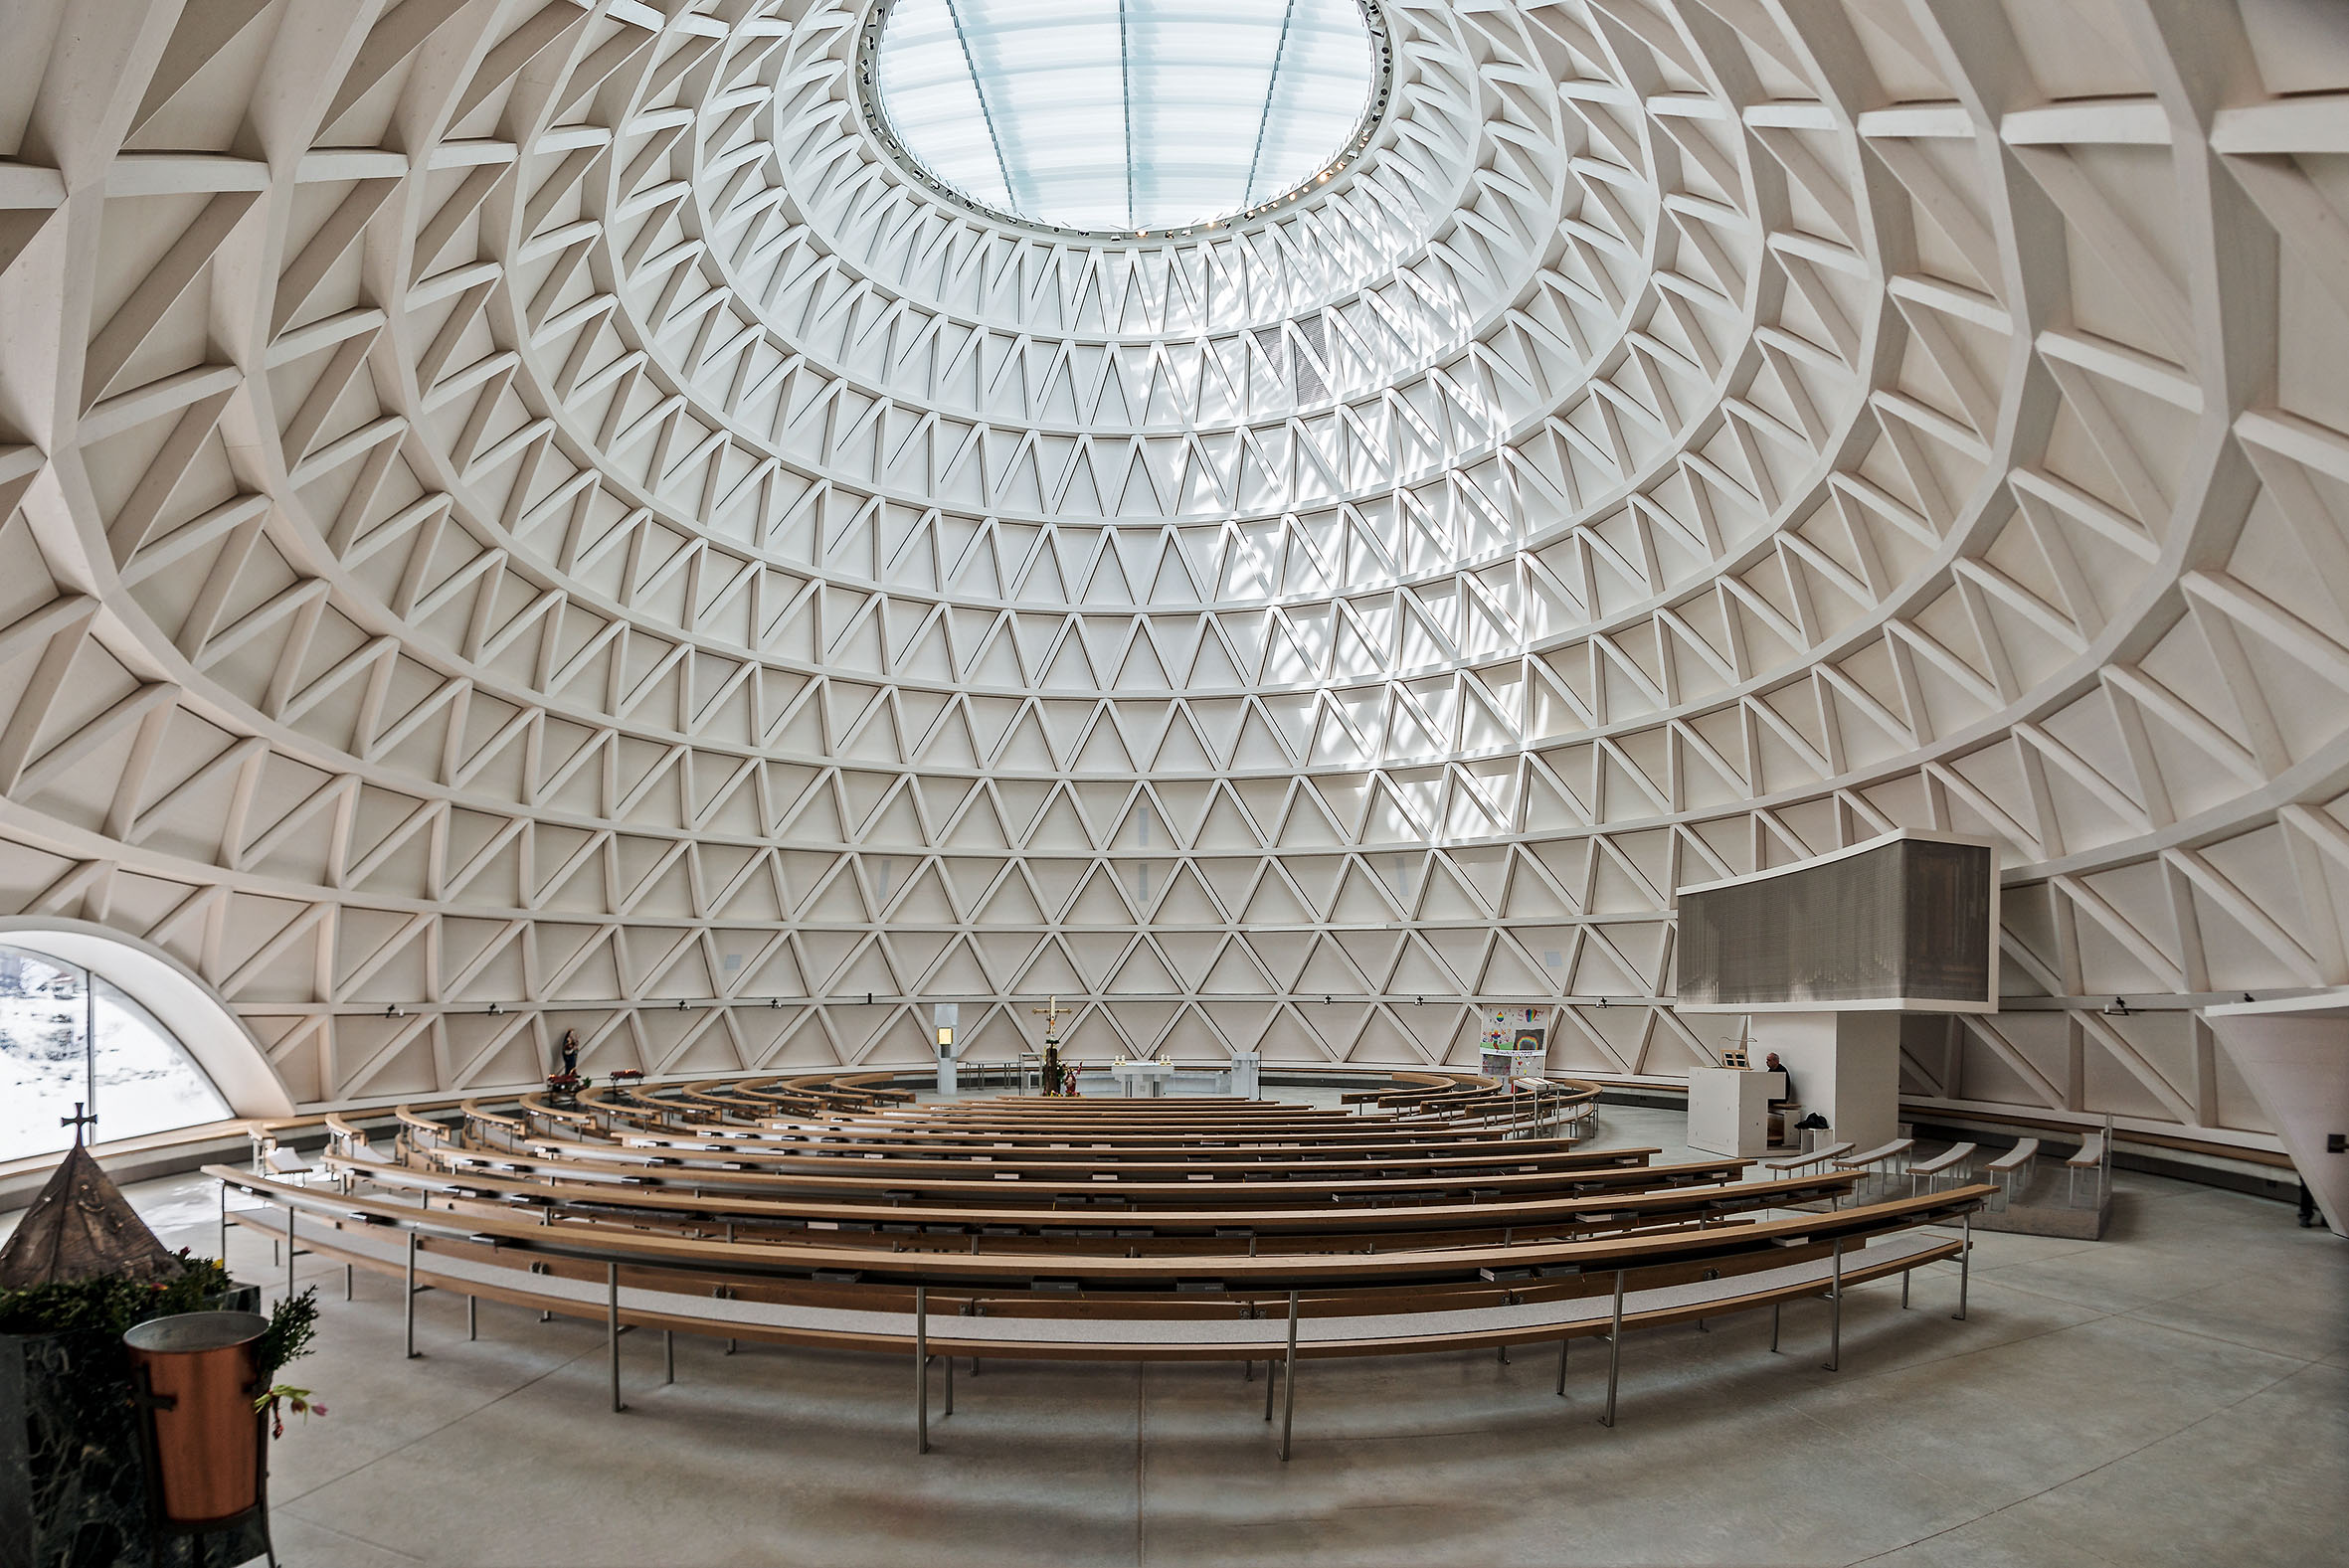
<point>72,1484</point>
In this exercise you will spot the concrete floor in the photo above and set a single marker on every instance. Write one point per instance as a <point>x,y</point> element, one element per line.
<point>2176,1394</point>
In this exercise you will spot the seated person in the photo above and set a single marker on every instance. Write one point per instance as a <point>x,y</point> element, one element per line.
<point>1782,1103</point>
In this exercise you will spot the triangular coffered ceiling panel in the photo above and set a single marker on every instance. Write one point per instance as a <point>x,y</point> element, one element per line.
<point>509,503</point>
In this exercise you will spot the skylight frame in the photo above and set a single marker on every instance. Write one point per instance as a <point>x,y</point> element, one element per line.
<point>1358,143</point>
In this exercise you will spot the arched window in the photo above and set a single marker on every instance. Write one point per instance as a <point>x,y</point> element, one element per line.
<point>68,1035</point>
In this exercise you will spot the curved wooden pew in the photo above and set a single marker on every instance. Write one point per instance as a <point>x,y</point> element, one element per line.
<point>1159,1233</point>
<point>1234,1228</point>
<point>1694,1246</point>
<point>750,1153</point>
<point>1106,1189</point>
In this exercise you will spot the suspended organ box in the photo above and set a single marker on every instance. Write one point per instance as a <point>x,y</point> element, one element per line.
<point>1907,922</point>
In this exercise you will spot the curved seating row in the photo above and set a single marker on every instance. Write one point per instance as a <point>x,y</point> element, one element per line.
<point>1101,1229</point>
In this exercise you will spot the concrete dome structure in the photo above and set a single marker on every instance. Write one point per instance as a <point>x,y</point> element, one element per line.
<point>528,505</point>
<point>533,517</point>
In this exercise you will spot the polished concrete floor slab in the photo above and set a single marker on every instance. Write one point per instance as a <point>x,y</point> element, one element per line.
<point>2176,1394</point>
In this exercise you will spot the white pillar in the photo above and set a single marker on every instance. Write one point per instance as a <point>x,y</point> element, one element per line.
<point>1245,1066</point>
<point>1846,1067</point>
<point>945,1015</point>
<point>2298,1071</point>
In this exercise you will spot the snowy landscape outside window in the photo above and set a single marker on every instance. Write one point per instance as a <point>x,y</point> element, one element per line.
<point>67,1035</point>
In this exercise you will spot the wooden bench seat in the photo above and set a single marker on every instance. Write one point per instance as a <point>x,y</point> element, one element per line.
<point>2016,1163</point>
<point>1883,1154</point>
<point>663,1283</point>
<point>1957,1161</point>
<point>1822,1154</point>
<point>1030,1228</point>
<point>1266,1186</point>
<point>1113,1272</point>
<point>1254,1222</point>
<point>1148,1332</point>
<point>1338,1134</point>
<point>761,1155</point>
<point>2090,1156</point>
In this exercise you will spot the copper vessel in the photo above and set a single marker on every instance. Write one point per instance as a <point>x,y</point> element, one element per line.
<point>200,1372</point>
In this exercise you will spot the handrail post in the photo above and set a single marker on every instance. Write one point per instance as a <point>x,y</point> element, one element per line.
<point>2104,1168</point>
<point>1965,1260</point>
<point>1288,1379</point>
<point>1614,1351</point>
<point>1835,1312</point>
<point>612,1327</point>
<point>408,1299</point>
<point>921,1369</point>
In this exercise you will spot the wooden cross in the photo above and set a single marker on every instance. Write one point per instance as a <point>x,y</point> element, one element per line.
<point>1052,1012</point>
<point>76,1121</point>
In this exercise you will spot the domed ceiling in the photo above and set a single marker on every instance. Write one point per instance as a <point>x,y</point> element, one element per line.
<point>521,515</point>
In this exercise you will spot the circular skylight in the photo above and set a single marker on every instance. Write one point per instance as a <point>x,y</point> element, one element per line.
<point>1124,116</point>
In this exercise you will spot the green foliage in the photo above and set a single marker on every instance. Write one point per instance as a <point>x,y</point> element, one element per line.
<point>113,1304</point>
<point>294,1324</point>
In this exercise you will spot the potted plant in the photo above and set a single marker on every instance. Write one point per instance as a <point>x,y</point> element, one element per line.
<point>204,1386</point>
<point>73,1490</point>
<point>80,1270</point>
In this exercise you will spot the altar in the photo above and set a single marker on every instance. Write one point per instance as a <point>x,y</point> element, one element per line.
<point>1130,1073</point>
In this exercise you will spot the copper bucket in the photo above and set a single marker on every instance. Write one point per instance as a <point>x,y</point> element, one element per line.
<point>201,1377</point>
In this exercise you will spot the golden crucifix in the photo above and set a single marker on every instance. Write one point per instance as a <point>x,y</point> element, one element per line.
<point>1052,1012</point>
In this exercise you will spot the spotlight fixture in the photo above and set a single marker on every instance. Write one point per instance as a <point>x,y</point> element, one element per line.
<point>495,1011</point>
<point>2247,996</point>
<point>395,1010</point>
<point>2119,1009</point>
<point>681,1007</point>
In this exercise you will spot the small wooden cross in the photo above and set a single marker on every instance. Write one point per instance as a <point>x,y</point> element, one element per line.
<point>76,1121</point>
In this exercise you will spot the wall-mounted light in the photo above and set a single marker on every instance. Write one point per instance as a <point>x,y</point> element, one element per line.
<point>946,1037</point>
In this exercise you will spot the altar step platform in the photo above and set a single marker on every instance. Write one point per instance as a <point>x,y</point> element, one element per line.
<point>1181,1081</point>
<point>2050,1195</point>
<point>2053,1203</point>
